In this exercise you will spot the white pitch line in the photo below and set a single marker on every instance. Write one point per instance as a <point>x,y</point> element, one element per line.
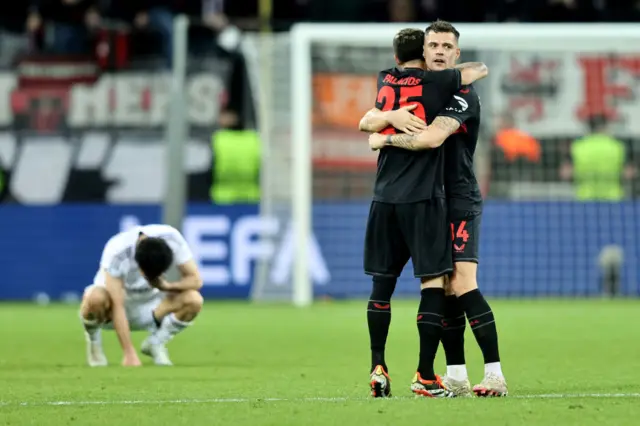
<point>258,400</point>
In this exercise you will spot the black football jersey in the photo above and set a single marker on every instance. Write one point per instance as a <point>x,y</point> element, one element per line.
<point>405,176</point>
<point>463,191</point>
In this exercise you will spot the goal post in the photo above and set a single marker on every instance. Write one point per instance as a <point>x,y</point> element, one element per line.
<point>320,134</point>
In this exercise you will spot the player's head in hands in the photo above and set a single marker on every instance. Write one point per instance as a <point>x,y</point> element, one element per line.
<point>441,49</point>
<point>153,256</point>
<point>407,47</point>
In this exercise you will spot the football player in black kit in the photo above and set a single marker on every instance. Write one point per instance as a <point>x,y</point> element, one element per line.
<point>408,216</point>
<point>459,124</point>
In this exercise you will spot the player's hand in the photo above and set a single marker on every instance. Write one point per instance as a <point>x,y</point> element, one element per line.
<point>131,360</point>
<point>377,141</point>
<point>160,283</point>
<point>404,121</point>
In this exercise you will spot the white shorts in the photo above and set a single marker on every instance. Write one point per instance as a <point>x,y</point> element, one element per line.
<point>139,310</point>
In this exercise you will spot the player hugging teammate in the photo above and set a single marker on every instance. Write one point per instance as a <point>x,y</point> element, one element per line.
<point>129,292</point>
<point>427,207</point>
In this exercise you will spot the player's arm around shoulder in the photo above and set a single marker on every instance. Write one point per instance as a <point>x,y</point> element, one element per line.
<point>432,137</point>
<point>472,71</point>
<point>402,119</point>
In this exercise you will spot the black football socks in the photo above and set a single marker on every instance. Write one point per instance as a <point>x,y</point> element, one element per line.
<point>379,318</point>
<point>453,326</point>
<point>482,323</point>
<point>430,313</point>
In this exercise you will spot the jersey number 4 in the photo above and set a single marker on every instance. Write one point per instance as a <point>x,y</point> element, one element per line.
<point>409,95</point>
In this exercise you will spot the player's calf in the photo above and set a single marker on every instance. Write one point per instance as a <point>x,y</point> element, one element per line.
<point>94,312</point>
<point>482,323</point>
<point>453,327</point>
<point>378,322</point>
<point>429,322</point>
<point>172,316</point>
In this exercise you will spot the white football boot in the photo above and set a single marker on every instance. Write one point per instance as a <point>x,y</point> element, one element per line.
<point>459,388</point>
<point>493,385</point>
<point>158,352</point>
<point>95,354</point>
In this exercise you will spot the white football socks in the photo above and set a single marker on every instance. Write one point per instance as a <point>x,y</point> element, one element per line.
<point>169,327</point>
<point>457,372</point>
<point>92,327</point>
<point>493,368</point>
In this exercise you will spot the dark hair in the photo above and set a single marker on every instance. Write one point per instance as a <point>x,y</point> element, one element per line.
<point>153,256</point>
<point>597,123</point>
<point>442,27</point>
<point>408,45</point>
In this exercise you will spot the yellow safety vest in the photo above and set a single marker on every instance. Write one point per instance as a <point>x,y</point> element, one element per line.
<point>598,163</point>
<point>236,168</point>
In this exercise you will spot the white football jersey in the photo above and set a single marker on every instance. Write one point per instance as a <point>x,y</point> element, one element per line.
<point>118,257</point>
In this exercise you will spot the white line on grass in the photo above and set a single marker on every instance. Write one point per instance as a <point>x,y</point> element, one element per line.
<point>258,400</point>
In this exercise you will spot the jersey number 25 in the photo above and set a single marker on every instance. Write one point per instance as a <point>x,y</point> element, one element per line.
<point>409,95</point>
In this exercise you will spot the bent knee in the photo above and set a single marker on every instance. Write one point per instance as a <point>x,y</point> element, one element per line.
<point>96,301</point>
<point>192,300</point>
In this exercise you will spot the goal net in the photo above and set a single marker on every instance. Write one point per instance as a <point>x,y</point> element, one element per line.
<point>559,217</point>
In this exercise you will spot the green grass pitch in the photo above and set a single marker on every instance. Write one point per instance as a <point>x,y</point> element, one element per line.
<point>567,363</point>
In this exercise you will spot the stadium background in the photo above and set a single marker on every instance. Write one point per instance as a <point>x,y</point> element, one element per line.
<point>82,140</point>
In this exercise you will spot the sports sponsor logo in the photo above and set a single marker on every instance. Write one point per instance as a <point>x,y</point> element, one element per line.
<point>226,249</point>
<point>462,102</point>
<point>130,100</point>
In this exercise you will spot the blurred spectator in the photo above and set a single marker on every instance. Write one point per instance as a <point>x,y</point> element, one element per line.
<point>65,23</point>
<point>148,17</point>
<point>157,16</point>
<point>13,40</point>
<point>402,11</point>
<point>598,164</point>
<point>340,10</point>
<point>13,16</point>
<point>427,10</point>
<point>509,10</point>
<point>286,12</point>
<point>237,113</point>
<point>462,10</point>
<point>210,22</point>
<point>515,143</point>
<point>563,10</point>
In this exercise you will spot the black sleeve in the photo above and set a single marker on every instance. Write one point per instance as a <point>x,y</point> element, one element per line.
<point>449,81</point>
<point>379,102</point>
<point>462,106</point>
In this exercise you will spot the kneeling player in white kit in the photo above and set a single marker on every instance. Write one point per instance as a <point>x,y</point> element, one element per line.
<point>129,293</point>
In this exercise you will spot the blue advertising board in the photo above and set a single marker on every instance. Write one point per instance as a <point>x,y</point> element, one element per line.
<point>527,249</point>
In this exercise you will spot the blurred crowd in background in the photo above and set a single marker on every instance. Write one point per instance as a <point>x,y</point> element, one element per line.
<point>67,26</point>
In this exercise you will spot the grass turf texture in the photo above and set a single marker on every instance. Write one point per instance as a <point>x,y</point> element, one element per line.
<point>315,363</point>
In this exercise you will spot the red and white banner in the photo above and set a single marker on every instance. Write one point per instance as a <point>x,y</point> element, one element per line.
<point>552,95</point>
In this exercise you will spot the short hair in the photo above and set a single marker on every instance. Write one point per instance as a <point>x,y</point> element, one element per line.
<point>440,26</point>
<point>408,45</point>
<point>153,256</point>
<point>597,123</point>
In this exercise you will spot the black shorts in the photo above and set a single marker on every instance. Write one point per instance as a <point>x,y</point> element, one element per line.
<point>397,232</point>
<point>465,235</point>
